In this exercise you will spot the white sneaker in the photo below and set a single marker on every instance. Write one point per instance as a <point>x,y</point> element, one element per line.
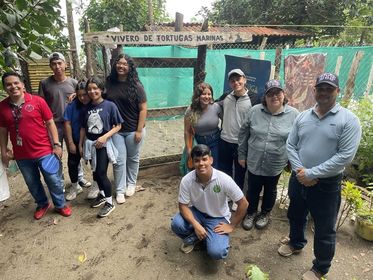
<point>73,192</point>
<point>84,183</point>
<point>93,191</point>
<point>120,198</point>
<point>130,191</point>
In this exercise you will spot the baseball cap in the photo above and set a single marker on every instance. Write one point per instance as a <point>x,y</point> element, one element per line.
<point>272,84</point>
<point>56,56</point>
<point>328,78</point>
<point>237,72</point>
<point>51,164</point>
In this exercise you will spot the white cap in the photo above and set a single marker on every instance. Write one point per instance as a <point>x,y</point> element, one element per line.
<point>236,71</point>
<point>56,56</point>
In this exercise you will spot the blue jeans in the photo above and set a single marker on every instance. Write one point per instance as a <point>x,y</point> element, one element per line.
<point>127,167</point>
<point>322,201</point>
<point>30,169</point>
<point>212,141</point>
<point>217,244</point>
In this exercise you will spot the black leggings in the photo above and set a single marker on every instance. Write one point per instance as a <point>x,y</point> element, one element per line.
<point>73,161</point>
<point>100,175</point>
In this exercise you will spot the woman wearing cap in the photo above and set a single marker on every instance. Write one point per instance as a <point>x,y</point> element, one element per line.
<point>202,120</point>
<point>124,88</point>
<point>262,148</point>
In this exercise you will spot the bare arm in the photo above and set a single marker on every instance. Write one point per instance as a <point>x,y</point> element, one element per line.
<point>187,134</point>
<point>101,141</point>
<point>189,217</point>
<point>69,137</point>
<point>51,126</point>
<point>143,107</point>
<point>81,141</point>
<point>224,228</point>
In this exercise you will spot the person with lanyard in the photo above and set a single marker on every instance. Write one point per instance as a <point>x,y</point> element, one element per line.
<point>20,114</point>
<point>323,140</point>
<point>203,203</point>
<point>235,108</point>
<point>58,90</point>
<point>124,88</point>
<point>262,148</point>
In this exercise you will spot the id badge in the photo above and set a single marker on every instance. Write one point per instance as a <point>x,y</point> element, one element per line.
<point>19,141</point>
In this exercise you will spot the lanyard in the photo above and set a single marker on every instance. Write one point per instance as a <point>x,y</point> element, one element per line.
<point>17,115</point>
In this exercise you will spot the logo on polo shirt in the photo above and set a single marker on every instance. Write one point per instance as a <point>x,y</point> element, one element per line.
<point>29,108</point>
<point>217,189</point>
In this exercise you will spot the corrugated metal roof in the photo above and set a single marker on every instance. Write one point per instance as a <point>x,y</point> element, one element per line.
<point>254,30</point>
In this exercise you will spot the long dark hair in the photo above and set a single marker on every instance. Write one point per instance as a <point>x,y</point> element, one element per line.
<point>195,107</point>
<point>132,77</point>
<point>79,86</point>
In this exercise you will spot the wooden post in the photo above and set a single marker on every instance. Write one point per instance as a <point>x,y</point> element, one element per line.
<point>72,41</point>
<point>338,65</point>
<point>179,22</point>
<point>106,62</point>
<point>350,84</point>
<point>199,70</point>
<point>263,43</point>
<point>117,51</point>
<point>278,62</point>
<point>88,52</point>
<point>370,80</point>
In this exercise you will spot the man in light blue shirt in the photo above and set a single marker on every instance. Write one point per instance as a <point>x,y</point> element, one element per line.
<point>323,140</point>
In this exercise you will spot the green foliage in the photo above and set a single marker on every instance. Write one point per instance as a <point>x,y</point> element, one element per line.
<point>352,202</point>
<point>364,111</point>
<point>293,12</point>
<point>28,29</point>
<point>131,14</point>
<point>254,273</point>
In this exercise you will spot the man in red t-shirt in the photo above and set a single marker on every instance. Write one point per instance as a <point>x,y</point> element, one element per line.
<point>27,119</point>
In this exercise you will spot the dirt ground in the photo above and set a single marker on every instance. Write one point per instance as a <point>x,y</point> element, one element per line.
<point>135,241</point>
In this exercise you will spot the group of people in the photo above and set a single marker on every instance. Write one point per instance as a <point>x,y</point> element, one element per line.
<point>237,137</point>
<point>100,121</point>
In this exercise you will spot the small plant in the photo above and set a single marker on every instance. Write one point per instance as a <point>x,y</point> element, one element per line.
<point>366,213</point>
<point>254,273</point>
<point>352,202</point>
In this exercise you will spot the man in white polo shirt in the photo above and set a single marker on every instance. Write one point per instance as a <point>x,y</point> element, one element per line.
<point>203,204</point>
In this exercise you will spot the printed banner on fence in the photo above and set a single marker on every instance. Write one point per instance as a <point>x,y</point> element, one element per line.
<point>167,38</point>
<point>257,73</point>
<point>301,72</point>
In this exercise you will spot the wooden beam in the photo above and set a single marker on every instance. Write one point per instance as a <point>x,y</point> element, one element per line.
<point>200,68</point>
<point>179,18</point>
<point>350,84</point>
<point>278,62</point>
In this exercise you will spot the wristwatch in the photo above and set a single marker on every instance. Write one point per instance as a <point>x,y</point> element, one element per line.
<point>58,144</point>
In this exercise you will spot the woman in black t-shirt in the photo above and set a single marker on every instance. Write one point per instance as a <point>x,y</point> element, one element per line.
<point>124,88</point>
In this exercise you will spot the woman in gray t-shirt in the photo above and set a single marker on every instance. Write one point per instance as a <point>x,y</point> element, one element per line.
<point>202,120</point>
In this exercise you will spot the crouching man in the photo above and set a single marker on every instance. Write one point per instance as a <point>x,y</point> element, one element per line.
<point>203,203</point>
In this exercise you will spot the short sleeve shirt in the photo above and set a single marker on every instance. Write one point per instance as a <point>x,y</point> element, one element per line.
<point>56,95</point>
<point>31,127</point>
<point>99,119</point>
<point>72,114</point>
<point>213,199</point>
<point>118,92</point>
<point>208,122</point>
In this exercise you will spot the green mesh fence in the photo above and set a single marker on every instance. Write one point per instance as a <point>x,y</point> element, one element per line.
<point>170,87</point>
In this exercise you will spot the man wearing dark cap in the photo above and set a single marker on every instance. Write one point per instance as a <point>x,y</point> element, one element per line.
<point>323,140</point>
<point>56,90</point>
<point>235,106</point>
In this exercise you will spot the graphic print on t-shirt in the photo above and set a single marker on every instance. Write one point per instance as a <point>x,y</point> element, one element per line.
<point>94,123</point>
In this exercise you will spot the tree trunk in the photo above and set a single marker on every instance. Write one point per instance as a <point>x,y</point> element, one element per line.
<point>72,41</point>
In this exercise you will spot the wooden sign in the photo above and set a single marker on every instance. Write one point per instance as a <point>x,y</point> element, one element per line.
<point>166,38</point>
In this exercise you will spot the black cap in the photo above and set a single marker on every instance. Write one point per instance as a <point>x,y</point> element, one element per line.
<point>328,78</point>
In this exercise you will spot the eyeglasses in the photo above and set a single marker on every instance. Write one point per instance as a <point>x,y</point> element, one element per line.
<point>122,64</point>
<point>325,89</point>
<point>274,93</point>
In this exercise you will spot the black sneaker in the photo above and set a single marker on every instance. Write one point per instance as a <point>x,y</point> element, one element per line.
<point>106,210</point>
<point>98,201</point>
<point>262,221</point>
